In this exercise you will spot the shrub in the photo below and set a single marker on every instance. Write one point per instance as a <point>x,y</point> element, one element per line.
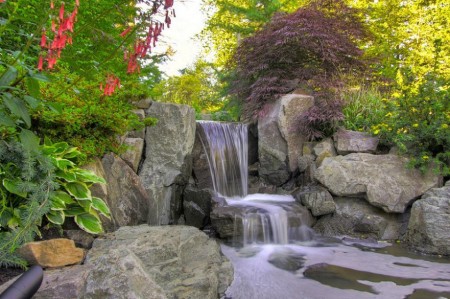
<point>417,122</point>
<point>309,48</point>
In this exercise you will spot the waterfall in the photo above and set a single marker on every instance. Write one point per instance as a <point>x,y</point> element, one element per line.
<point>226,147</point>
<point>264,217</point>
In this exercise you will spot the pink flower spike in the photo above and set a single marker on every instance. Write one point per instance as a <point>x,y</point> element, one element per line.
<point>43,39</point>
<point>61,12</point>
<point>40,63</point>
<point>52,5</point>
<point>77,2</point>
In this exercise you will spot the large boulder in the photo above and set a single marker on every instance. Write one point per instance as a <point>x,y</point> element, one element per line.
<point>157,262</point>
<point>126,196</point>
<point>347,142</point>
<point>385,180</point>
<point>429,224</point>
<point>355,217</point>
<point>144,262</point>
<point>292,105</point>
<point>168,162</point>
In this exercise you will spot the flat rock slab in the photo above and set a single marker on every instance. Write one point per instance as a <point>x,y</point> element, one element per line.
<point>385,180</point>
<point>52,253</point>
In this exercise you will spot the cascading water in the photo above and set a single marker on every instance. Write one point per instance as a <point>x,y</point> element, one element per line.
<point>264,220</point>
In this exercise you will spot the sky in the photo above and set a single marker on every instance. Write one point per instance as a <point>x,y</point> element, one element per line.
<point>180,36</point>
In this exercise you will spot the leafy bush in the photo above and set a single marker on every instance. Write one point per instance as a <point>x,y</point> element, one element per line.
<point>417,119</point>
<point>309,48</point>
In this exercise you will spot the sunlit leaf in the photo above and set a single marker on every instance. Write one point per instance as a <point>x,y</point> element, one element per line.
<point>89,223</point>
<point>78,190</point>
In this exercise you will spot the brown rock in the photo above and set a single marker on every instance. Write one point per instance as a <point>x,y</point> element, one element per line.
<point>52,253</point>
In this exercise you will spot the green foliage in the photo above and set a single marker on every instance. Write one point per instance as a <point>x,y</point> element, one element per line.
<point>362,108</point>
<point>417,122</point>
<point>196,87</point>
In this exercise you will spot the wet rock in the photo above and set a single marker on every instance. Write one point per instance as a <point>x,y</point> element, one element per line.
<point>384,179</point>
<point>429,224</point>
<point>317,199</point>
<point>286,259</point>
<point>347,142</point>
<point>168,163</point>
<point>357,218</point>
<point>52,253</point>
<point>197,206</point>
<point>200,165</point>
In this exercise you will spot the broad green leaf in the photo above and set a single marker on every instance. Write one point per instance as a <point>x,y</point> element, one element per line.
<point>5,216</point>
<point>7,121</point>
<point>79,190</point>
<point>88,176</point>
<point>56,217</point>
<point>89,223</point>
<point>33,102</point>
<point>13,187</point>
<point>101,206</point>
<point>55,107</point>
<point>74,211</point>
<point>63,196</point>
<point>57,204</point>
<point>29,140</point>
<point>33,87</point>
<point>39,77</point>
<point>66,175</point>
<point>8,76</point>
<point>47,142</point>
<point>17,107</point>
<point>86,205</point>
<point>63,164</point>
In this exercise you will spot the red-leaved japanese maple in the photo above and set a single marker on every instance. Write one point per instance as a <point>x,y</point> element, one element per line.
<point>307,49</point>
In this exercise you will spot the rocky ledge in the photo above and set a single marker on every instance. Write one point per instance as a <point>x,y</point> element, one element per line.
<point>144,262</point>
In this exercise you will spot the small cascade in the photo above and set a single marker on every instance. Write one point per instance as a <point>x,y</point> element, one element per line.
<point>226,147</point>
<point>265,218</point>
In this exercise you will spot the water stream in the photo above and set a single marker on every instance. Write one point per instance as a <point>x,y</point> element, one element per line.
<point>274,258</point>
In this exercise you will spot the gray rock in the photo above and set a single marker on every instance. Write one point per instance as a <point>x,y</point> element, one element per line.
<point>355,217</point>
<point>324,149</point>
<point>134,153</point>
<point>347,142</point>
<point>293,105</point>
<point>126,196</point>
<point>141,132</point>
<point>272,148</point>
<point>200,166</point>
<point>286,259</point>
<point>197,206</point>
<point>317,199</point>
<point>157,262</point>
<point>384,179</point>
<point>168,163</point>
<point>429,224</point>
<point>80,237</point>
<point>143,104</point>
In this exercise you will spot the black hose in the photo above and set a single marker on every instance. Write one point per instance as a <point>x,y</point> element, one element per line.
<point>26,285</point>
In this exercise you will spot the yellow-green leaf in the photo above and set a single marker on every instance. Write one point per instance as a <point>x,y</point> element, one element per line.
<point>89,223</point>
<point>101,206</point>
<point>79,190</point>
<point>13,187</point>
<point>56,217</point>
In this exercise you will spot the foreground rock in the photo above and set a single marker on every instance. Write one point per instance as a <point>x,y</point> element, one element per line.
<point>383,179</point>
<point>168,162</point>
<point>145,262</point>
<point>429,225</point>
<point>347,142</point>
<point>52,253</point>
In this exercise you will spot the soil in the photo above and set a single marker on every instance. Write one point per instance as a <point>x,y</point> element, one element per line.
<point>8,273</point>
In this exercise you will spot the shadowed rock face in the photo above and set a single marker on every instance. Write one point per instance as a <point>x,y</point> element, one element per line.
<point>384,180</point>
<point>429,225</point>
